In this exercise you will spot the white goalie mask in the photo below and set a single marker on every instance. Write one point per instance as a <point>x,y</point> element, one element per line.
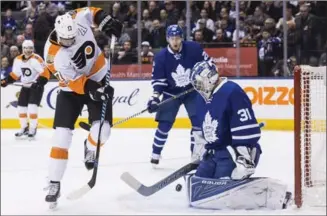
<point>66,30</point>
<point>204,77</point>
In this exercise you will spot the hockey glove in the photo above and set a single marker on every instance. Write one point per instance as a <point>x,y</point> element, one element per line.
<point>39,84</point>
<point>6,81</point>
<point>102,93</point>
<point>98,92</point>
<point>110,26</point>
<point>243,158</point>
<point>153,103</point>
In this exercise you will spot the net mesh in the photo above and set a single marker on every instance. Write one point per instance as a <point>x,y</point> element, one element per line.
<point>313,135</point>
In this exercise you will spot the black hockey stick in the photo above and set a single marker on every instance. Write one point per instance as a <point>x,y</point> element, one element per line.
<point>149,190</point>
<point>86,188</point>
<point>87,127</point>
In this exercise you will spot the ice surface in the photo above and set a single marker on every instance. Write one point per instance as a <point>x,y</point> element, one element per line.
<point>24,171</point>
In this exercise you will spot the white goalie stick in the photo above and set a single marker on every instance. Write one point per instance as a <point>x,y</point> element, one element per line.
<point>149,190</point>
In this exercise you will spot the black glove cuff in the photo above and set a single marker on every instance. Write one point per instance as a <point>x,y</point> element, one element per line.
<point>91,86</point>
<point>42,80</point>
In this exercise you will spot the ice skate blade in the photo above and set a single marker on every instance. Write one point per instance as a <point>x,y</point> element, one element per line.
<point>155,166</point>
<point>21,138</point>
<point>31,138</point>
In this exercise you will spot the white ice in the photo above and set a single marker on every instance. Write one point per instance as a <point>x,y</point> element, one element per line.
<point>24,171</point>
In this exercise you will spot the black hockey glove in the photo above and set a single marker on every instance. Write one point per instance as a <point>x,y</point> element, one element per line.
<point>153,103</point>
<point>39,84</point>
<point>6,81</point>
<point>98,92</point>
<point>110,26</point>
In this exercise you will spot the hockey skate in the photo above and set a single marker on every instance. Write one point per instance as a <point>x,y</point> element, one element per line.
<point>31,133</point>
<point>21,134</point>
<point>155,160</point>
<point>89,157</point>
<point>53,195</point>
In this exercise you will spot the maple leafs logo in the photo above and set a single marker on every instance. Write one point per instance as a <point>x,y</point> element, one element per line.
<point>209,127</point>
<point>181,76</point>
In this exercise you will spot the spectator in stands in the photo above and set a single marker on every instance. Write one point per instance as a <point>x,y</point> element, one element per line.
<point>9,37</point>
<point>173,13</point>
<point>221,40</point>
<point>241,32</point>
<point>106,51</point>
<point>270,26</point>
<point>181,23</point>
<point>8,19</point>
<point>13,53</point>
<point>43,26</point>
<point>116,13</point>
<point>146,19</point>
<point>5,67</point>
<point>30,18</point>
<point>208,22</point>
<point>305,34</point>
<point>146,54</point>
<point>28,34</point>
<point>289,17</point>
<point>126,55</point>
<point>208,7</point>
<point>4,47</point>
<point>131,15</point>
<point>269,52</point>
<point>273,9</point>
<point>206,33</point>
<point>19,42</point>
<point>223,24</point>
<point>232,10</point>
<point>259,16</point>
<point>163,18</point>
<point>198,36</point>
<point>157,35</point>
<point>154,10</point>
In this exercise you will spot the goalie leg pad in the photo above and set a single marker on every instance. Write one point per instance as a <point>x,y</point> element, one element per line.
<point>248,194</point>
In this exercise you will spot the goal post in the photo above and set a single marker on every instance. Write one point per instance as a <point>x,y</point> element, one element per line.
<point>310,136</point>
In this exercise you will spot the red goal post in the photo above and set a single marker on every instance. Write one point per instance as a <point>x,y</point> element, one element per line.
<point>310,135</point>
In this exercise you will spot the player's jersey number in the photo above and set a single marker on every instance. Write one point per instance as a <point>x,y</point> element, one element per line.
<point>244,114</point>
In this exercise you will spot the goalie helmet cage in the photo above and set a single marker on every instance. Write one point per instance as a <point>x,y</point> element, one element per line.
<point>310,136</point>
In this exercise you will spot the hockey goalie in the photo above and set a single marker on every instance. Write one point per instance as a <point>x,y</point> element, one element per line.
<point>228,149</point>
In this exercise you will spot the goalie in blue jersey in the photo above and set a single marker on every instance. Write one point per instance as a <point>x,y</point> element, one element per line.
<point>228,148</point>
<point>171,76</point>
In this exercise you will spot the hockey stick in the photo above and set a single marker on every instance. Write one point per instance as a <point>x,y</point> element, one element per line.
<point>149,190</point>
<point>87,127</point>
<point>86,188</point>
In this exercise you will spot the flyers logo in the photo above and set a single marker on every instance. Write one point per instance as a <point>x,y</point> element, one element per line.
<point>86,51</point>
<point>271,95</point>
<point>26,72</point>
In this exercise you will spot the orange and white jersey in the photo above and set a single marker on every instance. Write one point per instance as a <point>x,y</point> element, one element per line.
<point>83,60</point>
<point>28,70</point>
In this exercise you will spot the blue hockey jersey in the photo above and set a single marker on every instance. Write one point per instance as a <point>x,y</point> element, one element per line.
<point>228,118</point>
<point>171,71</point>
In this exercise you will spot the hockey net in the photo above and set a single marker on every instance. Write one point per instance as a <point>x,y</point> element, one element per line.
<point>310,135</point>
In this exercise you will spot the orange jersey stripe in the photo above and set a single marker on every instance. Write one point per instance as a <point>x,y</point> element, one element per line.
<point>13,76</point>
<point>33,116</point>
<point>22,115</point>
<point>98,65</point>
<point>53,50</point>
<point>89,138</point>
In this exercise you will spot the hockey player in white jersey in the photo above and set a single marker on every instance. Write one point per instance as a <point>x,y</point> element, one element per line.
<point>30,69</point>
<point>228,148</point>
<point>73,56</point>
